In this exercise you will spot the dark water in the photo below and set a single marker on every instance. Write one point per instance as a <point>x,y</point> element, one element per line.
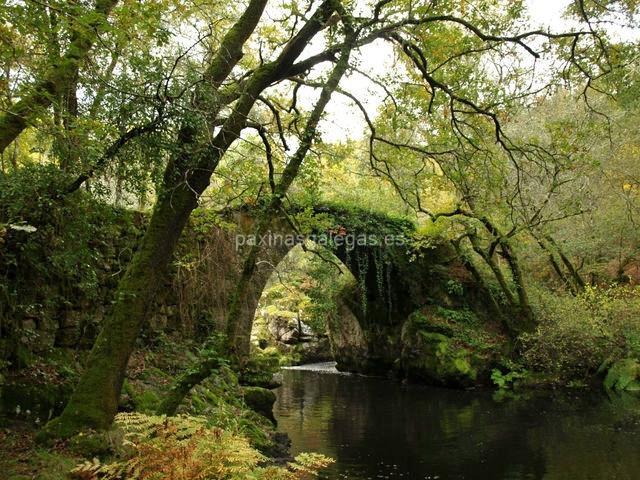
<point>380,429</point>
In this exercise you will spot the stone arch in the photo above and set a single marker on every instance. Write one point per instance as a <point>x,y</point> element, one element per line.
<point>380,299</point>
<point>209,286</point>
<point>206,288</point>
<point>392,283</point>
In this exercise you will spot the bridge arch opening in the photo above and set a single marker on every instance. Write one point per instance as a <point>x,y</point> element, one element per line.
<point>304,313</point>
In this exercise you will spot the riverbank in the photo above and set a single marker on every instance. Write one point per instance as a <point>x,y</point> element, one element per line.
<point>233,413</point>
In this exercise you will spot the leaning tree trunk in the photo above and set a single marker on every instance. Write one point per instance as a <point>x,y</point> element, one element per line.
<point>94,402</point>
<point>526,318</point>
<point>238,332</point>
<point>58,78</point>
<point>479,279</point>
<point>495,269</point>
<point>522,318</point>
<point>556,267</point>
<point>577,278</point>
<point>239,326</point>
<point>185,383</point>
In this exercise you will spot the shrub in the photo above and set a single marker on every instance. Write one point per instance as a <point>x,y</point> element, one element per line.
<point>623,376</point>
<point>576,335</point>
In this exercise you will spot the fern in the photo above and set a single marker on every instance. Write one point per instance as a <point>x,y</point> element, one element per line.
<point>310,463</point>
<point>186,448</point>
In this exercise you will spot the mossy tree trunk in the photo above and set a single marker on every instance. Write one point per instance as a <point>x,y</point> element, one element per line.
<point>58,78</point>
<point>521,318</point>
<point>238,331</point>
<point>573,272</point>
<point>479,279</point>
<point>95,399</point>
<point>239,326</point>
<point>526,319</point>
<point>556,267</point>
<point>554,264</point>
<point>185,383</point>
<point>495,269</point>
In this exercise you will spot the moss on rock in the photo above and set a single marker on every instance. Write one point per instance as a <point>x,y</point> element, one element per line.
<point>437,359</point>
<point>623,376</point>
<point>260,400</point>
<point>450,348</point>
<point>91,444</point>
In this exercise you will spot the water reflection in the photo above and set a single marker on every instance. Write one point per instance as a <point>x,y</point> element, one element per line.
<point>376,428</point>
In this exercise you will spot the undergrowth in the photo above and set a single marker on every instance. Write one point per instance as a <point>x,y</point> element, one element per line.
<point>576,336</point>
<point>188,448</point>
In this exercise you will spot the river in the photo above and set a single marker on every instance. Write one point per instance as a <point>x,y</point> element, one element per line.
<point>380,429</point>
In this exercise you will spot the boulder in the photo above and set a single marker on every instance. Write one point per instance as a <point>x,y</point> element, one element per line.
<point>348,344</point>
<point>435,358</point>
<point>437,351</point>
<point>623,376</point>
<point>260,400</point>
<point>317,349</point>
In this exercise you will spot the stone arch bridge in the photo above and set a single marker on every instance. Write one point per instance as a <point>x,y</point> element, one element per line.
<point>393,280</point>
